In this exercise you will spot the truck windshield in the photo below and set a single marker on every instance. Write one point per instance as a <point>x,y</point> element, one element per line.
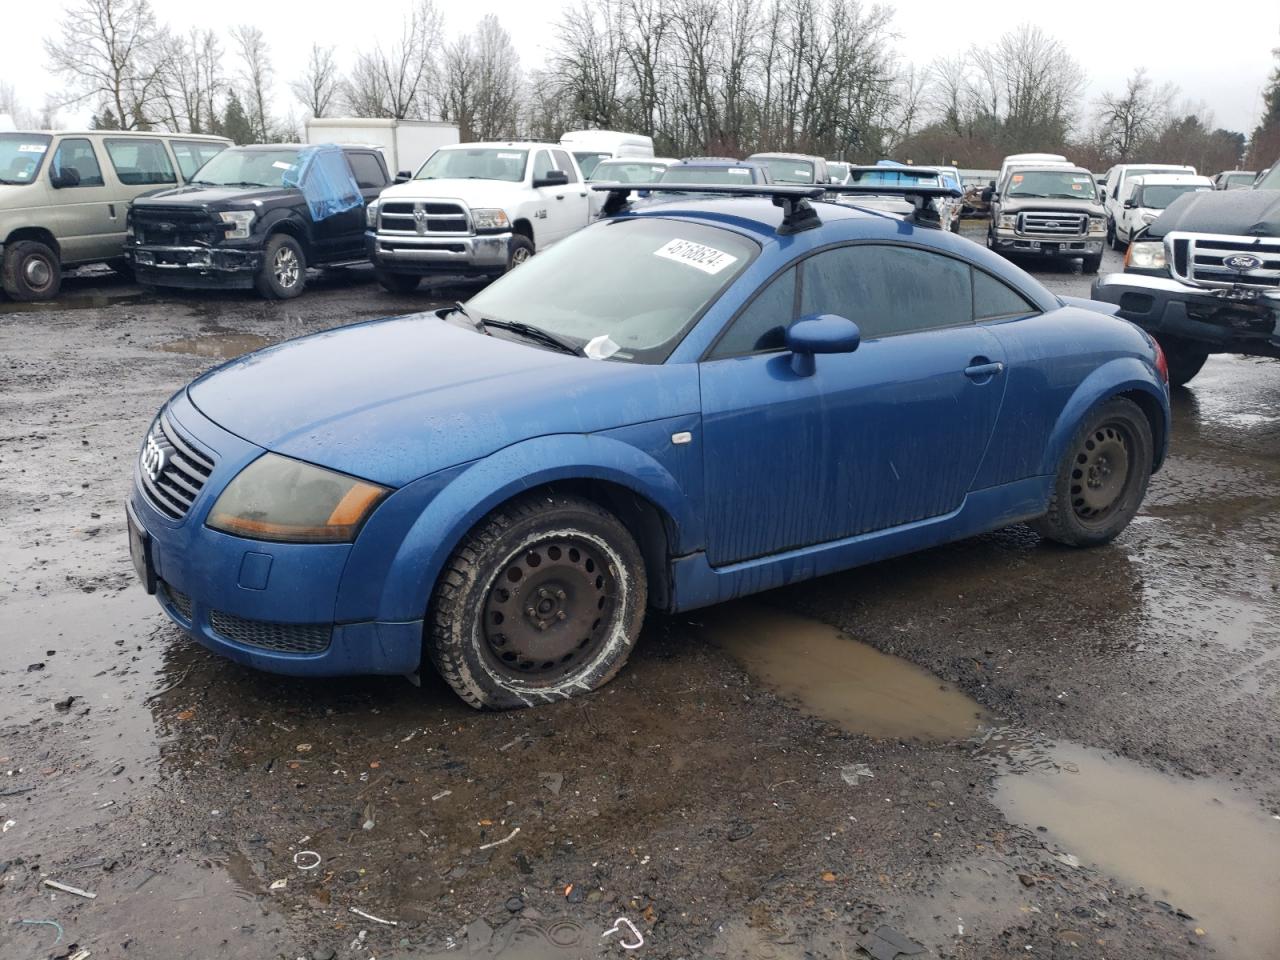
<point>627,171</point>
<point>587,161</point>
<point>1157,196</point>
<point>475,163</point>
<point>21,155</point>
<point>633,286</point>
<point>725,174</point>
<point>240,167</point>
<point>786,169</point>
<point>1052,184</point>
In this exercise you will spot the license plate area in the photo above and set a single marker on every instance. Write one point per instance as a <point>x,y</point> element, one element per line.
<point>140,551</point>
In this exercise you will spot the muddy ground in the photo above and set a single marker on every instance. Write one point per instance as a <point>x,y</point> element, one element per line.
<point>993,749</point>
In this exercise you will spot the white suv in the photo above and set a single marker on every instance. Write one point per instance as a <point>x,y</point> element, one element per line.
<point>1113,186</point>
<point>1146,197</point>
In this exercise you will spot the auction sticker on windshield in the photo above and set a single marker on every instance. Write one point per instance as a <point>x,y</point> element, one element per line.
<point>696,255</point>
<point>32,148</point>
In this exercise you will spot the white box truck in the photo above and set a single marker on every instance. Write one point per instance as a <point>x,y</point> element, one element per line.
<point>405,143</point>
<point>589,147</point>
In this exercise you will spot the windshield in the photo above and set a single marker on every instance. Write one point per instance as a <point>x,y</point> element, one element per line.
<point>699,174</point>
<point>786,169</point>
<point>587,161</point>
<point>475,163</point>
<point>1271,181</point>
<point>838,171</point>
<point>21,155</point>
<point>1239,181</point>
<point>236,167</point>
<point>889,176</point>
<point>639,281</point>
<point>627,171</point>
<point>1055,184</point>
<point>1158,196</point>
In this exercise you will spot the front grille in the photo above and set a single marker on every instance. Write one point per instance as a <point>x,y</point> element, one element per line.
<point>175,227</point>
<point>177,599</point>
<point>1203,259</point>
<point>421,217</point>
<point>173,471</point>
<point>280,637</point>
<point>1053,224</point>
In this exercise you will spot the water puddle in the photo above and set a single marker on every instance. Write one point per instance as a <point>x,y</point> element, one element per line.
<point>839,679</point>
<point>1195,845</point>
<point>217,346</point>
<point>58,305</point>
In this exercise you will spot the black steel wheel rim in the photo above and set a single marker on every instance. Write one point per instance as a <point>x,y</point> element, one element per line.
<point>1101,472</point>
<point>550,608</point>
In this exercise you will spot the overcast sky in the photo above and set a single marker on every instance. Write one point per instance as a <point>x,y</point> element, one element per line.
<point>1218,56</point>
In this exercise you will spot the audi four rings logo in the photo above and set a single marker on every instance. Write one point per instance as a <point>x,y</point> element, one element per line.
<point>1242,262</point>
<point>153,458</point>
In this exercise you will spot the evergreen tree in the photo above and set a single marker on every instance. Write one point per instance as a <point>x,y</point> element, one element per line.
<point>235,123</point>
<point>104,121</point>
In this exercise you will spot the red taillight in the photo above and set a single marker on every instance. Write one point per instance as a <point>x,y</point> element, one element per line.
<point>1162,364</point>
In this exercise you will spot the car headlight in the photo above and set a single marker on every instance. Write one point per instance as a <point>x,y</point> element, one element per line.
<point>238,223</point>
<point>371,215</point>
<point>1008,221</point>
<point>275,498</point>
<point>1097,225</point>
<point>1145,255</point>
<point>490,219</point>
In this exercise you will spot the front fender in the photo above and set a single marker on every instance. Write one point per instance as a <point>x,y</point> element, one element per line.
<point>1116,376</point>
<point>485,484</point>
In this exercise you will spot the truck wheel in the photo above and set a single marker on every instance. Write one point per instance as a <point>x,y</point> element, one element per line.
<point>397,282</point>
<point>1113,237</point>
<point>1091,264</point>
<point>283,274</point>
<point>520,252</point>
<point>541,601</point>
<point>31,271</point>
<point>1184,359</point>
<point>1103,477</point>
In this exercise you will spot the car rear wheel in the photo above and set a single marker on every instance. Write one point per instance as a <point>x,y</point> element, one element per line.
<point>541,601</point>
<point>1184,359</point>
<point>283,274</point>
<point>32,271</point>
<point>1092,264</point>
<point>1102,478</point>
<point>398,282</point>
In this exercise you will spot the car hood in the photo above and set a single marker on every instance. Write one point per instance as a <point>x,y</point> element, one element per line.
<point>1018,204</point>
<point>14,196</point>
<point>475,193</point>
<point>1245,213</point>
<point>213,196</point>
<point>394,400</point>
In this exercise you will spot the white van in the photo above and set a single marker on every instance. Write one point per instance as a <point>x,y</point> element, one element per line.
<point>1146,197</point>
<point>589,147</point>
<point>1029,160</point>
<point>1113,189</point>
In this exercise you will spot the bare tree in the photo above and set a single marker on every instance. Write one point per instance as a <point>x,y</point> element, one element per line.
<point>255,77</point>
<point>317,88</point>
<point>190,74</point>
<point>1134,116</point>
<point>398,80</point>
<point>460,87</point>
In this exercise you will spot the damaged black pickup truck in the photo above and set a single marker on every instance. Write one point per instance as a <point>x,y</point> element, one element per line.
<point>1205,277</point>
<point>257,217</point>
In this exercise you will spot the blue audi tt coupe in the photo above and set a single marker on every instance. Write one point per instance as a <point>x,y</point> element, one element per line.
<point>681,404</point>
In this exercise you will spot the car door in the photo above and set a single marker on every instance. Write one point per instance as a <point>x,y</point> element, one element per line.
<point>551,216</point>
<point>371,177</point>
<point>889,434</point>
<point>88,224</point>
<point>577,200</point>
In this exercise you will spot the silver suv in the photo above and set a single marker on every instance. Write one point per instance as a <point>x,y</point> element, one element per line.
<point>64,196</point>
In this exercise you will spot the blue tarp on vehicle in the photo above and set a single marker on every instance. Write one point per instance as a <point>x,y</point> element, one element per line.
<point>324,177</point>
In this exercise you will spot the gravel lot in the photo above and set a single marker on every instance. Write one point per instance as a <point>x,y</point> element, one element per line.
<point>991,749</point>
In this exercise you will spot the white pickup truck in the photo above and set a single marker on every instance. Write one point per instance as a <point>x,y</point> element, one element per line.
<point>475,210</point>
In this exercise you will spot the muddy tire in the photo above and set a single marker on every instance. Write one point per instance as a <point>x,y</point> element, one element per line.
<point>1102,478</point>
<point>1091,264</point>
<point>31,271</point>
<point>520,251</point>
<point>398,282</point>
<point>283,274</point>
<point>542,600</point>
<point>1184,359</point>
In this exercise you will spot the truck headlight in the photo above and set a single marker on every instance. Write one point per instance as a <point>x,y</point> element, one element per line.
<point>275,498</point>
<point>1097,225</point>
<point>490,220</point>
<point>1008,221</point>
<point>371,215</point>
<point>238,223</point>
<point>1145,255</point>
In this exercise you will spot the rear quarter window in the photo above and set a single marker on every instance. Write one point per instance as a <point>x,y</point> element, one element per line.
<point>140,162</point>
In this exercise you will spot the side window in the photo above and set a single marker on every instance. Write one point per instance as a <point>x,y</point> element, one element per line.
<point>763,324</point>
<point>193,154</point>
<point>993,298</point>
<point>140,162</point>
<point>367,170</point>
<point>564,163</point>
<point>887,290</point>
<point>76,156</point>
<point>541,164</point>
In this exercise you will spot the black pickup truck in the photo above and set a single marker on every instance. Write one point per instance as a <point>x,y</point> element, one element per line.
<point>257,217</point>
<point>1205,277</point>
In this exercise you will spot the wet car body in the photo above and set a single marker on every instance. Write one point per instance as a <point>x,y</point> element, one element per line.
<point>735,474</point>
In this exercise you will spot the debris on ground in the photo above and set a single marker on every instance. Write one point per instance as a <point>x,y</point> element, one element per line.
<point>370,916</point>
<point>552,780</point>
<point>887,943</point>
<point>854,773</point>
<point>67,888</point>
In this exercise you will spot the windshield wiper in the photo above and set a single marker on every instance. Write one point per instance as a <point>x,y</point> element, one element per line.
<point>13,183</point>
<point>478,324</point>
<point>536,334</point>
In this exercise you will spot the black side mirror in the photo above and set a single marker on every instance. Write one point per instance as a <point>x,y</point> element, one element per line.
<point>404,176</point>
<point>820,333</point>
<point>67,177</point>
<point>1129,204</point>
<point>554,178</point>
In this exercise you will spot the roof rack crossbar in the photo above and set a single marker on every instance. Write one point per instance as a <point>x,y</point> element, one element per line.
<point>797,213</point>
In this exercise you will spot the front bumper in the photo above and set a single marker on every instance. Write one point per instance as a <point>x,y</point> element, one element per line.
<point>1008,241</point>
<point>272,606</point>
<point>195,267</point>
<point>484,255</point>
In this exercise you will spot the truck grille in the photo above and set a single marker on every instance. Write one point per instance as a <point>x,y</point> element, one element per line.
<point>172,470</point>
<point>174,227</point>
<point>280,637</point>
<point>422,218</point>
<point>1053,224</point>
<point>1225,261</point>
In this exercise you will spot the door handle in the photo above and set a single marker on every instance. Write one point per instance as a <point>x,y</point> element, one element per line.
<point>111,210</point>
<point>559,196</point>
<point>983,369</point>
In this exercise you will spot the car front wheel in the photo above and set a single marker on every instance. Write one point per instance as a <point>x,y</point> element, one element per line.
<point>520,252</point>
<point>541,601</point>
<point>31,271</point>
<point>1102,478</point>
<point>398,282</point>
<point>1184,359</point>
